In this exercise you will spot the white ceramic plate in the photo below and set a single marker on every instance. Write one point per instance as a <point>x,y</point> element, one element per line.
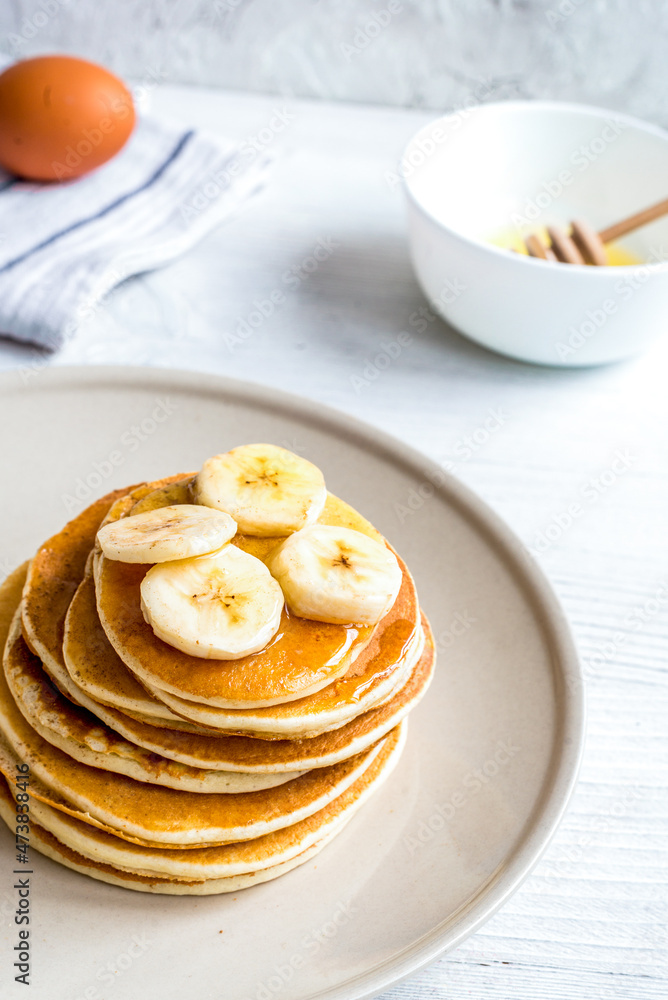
<point>493,749</point>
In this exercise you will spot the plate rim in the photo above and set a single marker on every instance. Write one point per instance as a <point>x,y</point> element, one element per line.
<point>542,823</point>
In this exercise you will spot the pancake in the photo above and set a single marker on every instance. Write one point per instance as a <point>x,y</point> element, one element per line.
<point>231,859</point>
<point>56,572</point>
<point>54,576</point>
<point>328,709</point>
<point>165,816</point>
<point>95,666</point>
<point>241,753</point>
<point>303,657</point>
<point>81,735</point>
<point>47,844</point>
<point>382,667</point>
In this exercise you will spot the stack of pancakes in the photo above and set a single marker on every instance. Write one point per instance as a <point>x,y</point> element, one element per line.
<point>158,771</point>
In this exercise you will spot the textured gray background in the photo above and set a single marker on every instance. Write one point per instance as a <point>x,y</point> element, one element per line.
<point>432,54</point>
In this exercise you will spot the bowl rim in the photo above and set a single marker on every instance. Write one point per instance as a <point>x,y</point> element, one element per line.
<point>532,106</point>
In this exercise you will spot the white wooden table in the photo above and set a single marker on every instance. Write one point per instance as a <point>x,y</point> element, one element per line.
<point>591,920</point>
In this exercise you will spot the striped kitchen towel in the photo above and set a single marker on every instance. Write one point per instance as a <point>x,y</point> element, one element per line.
<point>63,246</point>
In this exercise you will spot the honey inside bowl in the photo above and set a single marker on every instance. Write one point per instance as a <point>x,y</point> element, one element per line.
<point>618,255</point>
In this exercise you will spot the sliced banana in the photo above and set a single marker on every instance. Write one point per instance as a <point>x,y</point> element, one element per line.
<point>167,533</point>
<point>221,606</point>
<point>331,574</point>
<point>268,490</point>
<point>180,492</point>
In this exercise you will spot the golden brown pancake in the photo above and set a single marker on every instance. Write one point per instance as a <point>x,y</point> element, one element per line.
<point>56,572</point>
<point>337,706</point>
<point>231,859</point>
<point>80,734</point>
<point>246,753</point>
<point>242,753</point>
<point>47,844</point>
<point>382,667</point>
<point>165,816</point>
<point>303,657</point>
<point>95,666</point>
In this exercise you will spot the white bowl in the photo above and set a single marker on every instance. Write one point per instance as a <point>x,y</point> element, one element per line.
<point>522,164</point>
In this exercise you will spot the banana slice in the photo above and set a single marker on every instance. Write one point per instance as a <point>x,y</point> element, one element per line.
<point>221,606</point>
<point>167,496</point>
<point>267,490</point>
<point>331,574</point>
<point>167,533</point>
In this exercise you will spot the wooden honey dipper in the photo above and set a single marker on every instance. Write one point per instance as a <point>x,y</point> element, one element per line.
<point>584,245</point>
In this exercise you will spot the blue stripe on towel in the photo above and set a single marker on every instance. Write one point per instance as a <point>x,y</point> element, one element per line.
<point>104,211</point>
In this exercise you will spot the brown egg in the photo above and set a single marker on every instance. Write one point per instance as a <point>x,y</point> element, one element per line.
<point>61,117</point>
